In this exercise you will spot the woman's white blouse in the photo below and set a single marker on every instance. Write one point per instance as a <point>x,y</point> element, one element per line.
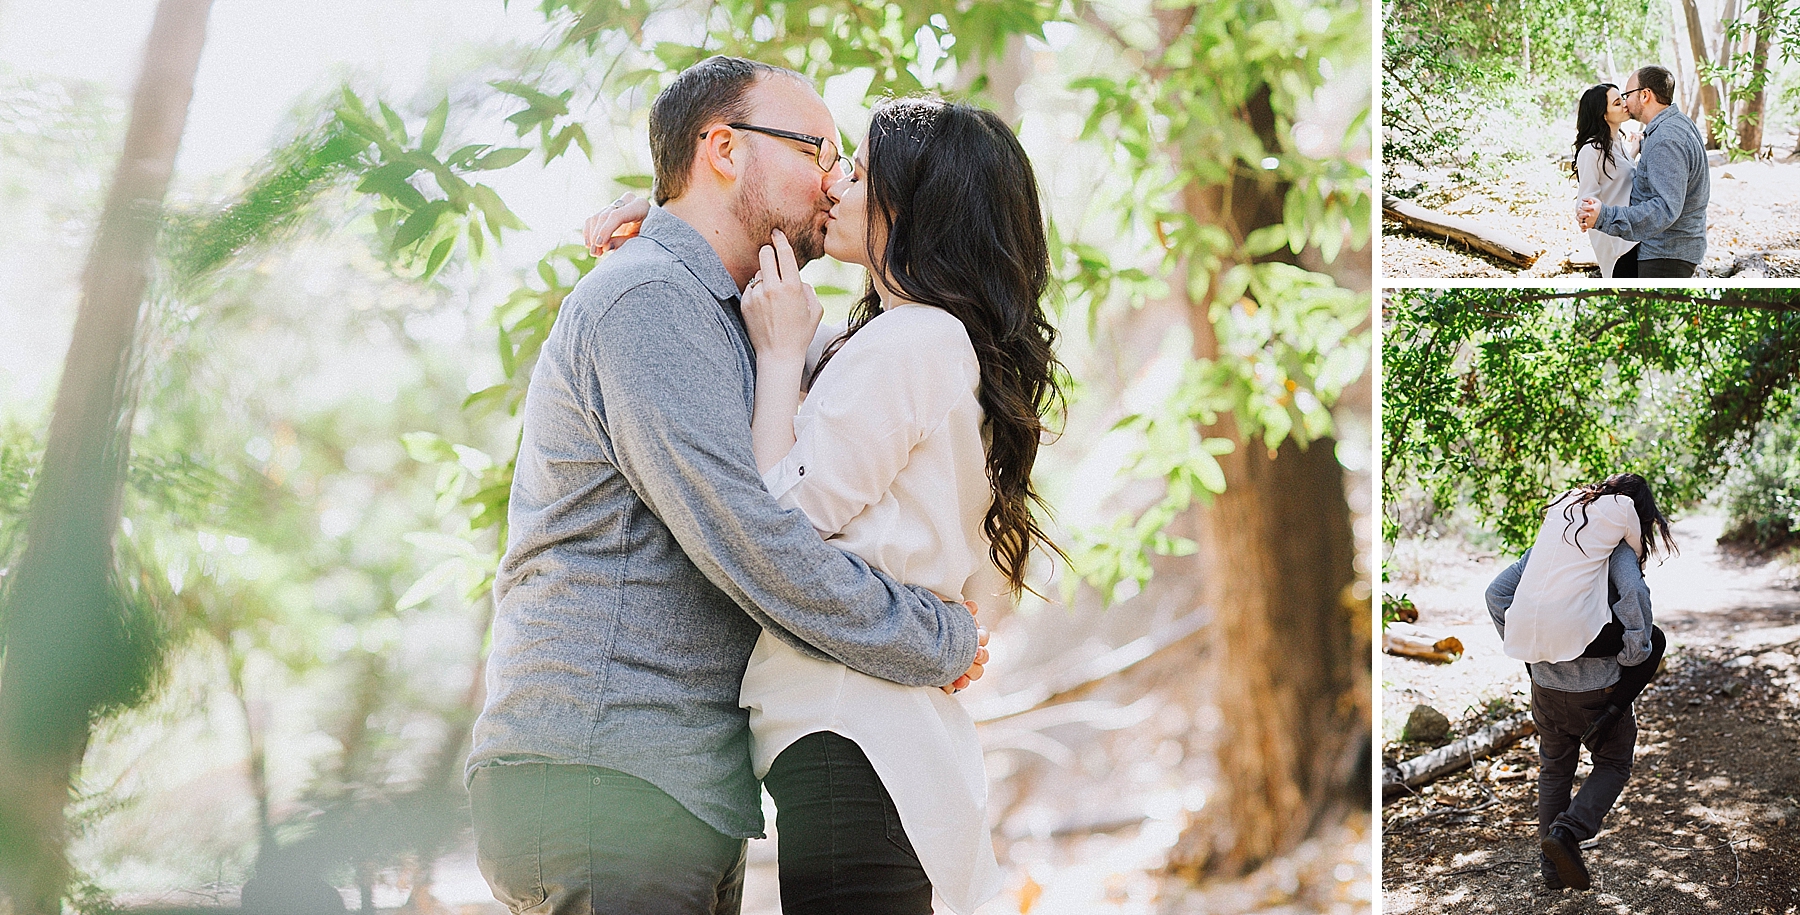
<point>1561,603</point>
<point>1613,189</point>
<point>889,462</point>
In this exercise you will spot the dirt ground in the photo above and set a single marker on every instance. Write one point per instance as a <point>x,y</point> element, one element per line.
<point>1709,820</point>
<point>1752,225</point>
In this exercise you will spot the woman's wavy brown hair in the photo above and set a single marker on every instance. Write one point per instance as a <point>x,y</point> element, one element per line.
<point>965,233</point>
<point>1633,487</point>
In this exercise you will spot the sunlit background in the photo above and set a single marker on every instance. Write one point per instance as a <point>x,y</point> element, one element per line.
<point>306,482</point>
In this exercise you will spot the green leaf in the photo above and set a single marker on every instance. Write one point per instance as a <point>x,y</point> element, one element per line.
<point>636,182</point>
<point>427,447</point>
<point>390,181</point>
<point>465,155</point>
<point>549,105</point>
<point>1266,240</point>
<point>396,126</point>
<point>434,127</point>
<point>498,215</point>
<point>441,576</point>
<point>443,544</point>
<point>500,158</point>
<point>421,222</point>
<point>439,254</point>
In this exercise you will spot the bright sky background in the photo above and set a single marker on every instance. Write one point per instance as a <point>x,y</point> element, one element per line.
<point>261,57</point>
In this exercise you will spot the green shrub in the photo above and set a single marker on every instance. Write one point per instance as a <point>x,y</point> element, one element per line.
<point>1761,492</point>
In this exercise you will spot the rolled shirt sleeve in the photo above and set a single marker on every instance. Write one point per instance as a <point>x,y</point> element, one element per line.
<point>1633,606</point>
<point>1501,591</point>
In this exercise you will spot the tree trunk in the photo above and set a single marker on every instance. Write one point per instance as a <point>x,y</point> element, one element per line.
<point>1687,82</point>
<point>1709,92</point>
<point>1282,603</point>
<point>1750,120</point>
<point>65,632</point>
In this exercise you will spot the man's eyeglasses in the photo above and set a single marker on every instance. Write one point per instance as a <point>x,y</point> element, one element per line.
<point>828,158</point>
<point>1630,92</point>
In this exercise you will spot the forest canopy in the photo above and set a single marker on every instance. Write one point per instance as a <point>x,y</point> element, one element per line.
<point>1495,400</point>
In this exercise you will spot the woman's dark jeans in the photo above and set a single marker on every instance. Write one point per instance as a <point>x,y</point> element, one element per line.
<point>1633,679</point>
<point>842,850</point>
<point>1626,267</point>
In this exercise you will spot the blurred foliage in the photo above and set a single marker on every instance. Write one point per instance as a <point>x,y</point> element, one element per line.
<point>1227,99</point>
<point>1761,493</point>
<point>1495,400</point>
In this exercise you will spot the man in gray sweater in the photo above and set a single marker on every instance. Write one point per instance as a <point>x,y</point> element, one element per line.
<point>611,766</point>
<point>1669,190</point>
<point>1567,698</point>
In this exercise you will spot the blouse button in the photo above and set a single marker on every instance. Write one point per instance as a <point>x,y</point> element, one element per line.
<point>803,470</point>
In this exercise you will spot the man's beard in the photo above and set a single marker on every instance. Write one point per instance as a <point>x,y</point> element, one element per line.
<point>760,219</point>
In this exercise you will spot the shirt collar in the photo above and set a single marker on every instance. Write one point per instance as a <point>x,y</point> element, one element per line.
<point>1659,118</point>
<point>683,241</point>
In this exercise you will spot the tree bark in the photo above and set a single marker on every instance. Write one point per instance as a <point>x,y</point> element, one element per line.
<point>1750,120</point>
<point>65,633</point>
<point>1281,551</point>
<point>1709,92</point>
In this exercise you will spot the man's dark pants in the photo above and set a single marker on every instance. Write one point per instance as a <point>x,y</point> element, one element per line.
<point>1664,268</point>
<point>1561,717</point>
<point>563,839</point>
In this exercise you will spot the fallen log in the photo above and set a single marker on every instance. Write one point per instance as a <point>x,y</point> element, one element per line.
<point>1413,642</point>
<point>1484,238</point>
<point>1421,770</point>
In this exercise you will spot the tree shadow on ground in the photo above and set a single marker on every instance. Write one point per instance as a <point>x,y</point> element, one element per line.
<point>1706,824</point>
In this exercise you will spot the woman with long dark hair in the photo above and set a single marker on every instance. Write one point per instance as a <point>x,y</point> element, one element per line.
<point>911,447</point>
<point>1603,168</point>
<point>1564,607</point>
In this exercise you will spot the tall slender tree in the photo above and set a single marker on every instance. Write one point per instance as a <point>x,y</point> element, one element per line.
<point>73,646</point>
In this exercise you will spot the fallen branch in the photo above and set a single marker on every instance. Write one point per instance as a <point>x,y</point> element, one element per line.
<point>1413,642</point>
<point>1452,756</point>
<point>1486,239</point>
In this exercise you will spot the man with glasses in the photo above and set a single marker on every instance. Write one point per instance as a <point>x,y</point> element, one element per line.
<point>611,767</point>
<point>1670,189</point>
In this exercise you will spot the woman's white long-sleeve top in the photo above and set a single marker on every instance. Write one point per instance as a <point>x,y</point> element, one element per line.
<point>889,462</point>
<point>1613,188</point>
<point>1561,602</point>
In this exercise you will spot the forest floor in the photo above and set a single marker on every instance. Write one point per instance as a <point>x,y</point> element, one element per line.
<point>1709,821</point>
<point>1752,223</point>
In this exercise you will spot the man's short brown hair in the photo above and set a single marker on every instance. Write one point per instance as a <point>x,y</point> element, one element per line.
<point>710,91</point>
<point>1659,81</point>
